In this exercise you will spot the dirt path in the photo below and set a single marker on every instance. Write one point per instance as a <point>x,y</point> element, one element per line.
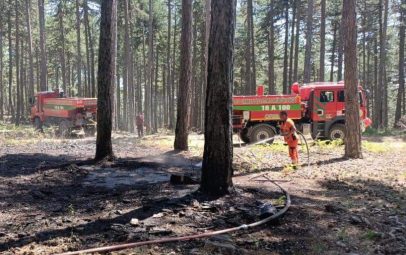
<point>339,206</point>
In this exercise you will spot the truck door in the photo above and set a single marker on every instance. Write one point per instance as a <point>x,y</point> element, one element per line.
<point>324,105</point>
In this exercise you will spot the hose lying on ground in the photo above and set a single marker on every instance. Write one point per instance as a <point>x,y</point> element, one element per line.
<point>117,247</point>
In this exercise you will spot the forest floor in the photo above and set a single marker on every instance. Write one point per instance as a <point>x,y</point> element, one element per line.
<point>52,199</point>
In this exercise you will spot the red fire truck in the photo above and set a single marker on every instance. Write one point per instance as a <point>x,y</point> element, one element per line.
<point>316,107</point>
<point>69,114</point>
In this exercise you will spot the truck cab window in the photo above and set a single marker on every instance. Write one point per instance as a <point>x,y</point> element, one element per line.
<point>326,96</point>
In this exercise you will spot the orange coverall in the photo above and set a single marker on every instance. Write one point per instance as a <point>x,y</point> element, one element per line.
<point>292,140</point>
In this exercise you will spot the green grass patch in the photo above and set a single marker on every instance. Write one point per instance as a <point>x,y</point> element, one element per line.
<point>371,235</point>
<point>376,147</point>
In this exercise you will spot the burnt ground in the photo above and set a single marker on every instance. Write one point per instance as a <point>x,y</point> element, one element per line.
<point>53,199</point>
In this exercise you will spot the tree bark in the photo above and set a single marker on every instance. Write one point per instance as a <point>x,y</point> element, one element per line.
<point>30,54</point>
<point>17,58</point>
<point>352,118</point>
<point>333,51</point>
<point>251,80</point>
<point>61,14</point>
<point>42,42</point>
<point>309,38</point>
<point>78,50</point>
<point>322,40</point>
<point>148,89</point>
<point>296,58</point>
<point>105,78</point>
<point>340,51</point>
<point>292,43</point>
<point>401,66</point>
<point>271,50</point>
<point>285,51</point>
<point>217,167</point>
<point>380,100</point>
<point>185,79</point>
<point>168,85</point>
<point>1,66</point>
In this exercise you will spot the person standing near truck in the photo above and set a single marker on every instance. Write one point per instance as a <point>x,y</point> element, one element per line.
<point>139,122</point>
<point>288,131</point>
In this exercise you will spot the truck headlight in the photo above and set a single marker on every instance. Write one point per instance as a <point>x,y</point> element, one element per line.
<point>246,115</point>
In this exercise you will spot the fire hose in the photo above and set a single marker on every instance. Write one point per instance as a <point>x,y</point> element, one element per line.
<point>242,227</point>
<point>274,216</point>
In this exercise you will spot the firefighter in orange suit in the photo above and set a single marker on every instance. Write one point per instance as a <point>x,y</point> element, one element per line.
<point>288,131</point>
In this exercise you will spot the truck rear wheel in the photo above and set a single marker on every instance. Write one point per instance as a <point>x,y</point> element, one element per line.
<point>261,132</point>
<point>337,131</point>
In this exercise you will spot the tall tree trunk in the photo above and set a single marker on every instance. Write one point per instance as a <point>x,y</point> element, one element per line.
<point>168,69</point>
<point>185,79</point>
<point>17,54</point>
<point>352,118</point>
<point>322,39</point>
<point>128,66</point>
<point>78,50</point>
<point>61,13</point>
<point>30,54</point>
<point>296,60</point>
<point>173,81</point>
<point>375,98</point>
<point>105,78</point>
<point>333,51</point>
<point>309,36</point>
<point>285,51</point>
<point>401,66</point>
<point>271,50</point>
<point>1,66</point>
<point>10,63</point>
<point>90,48</point>
<point>148,89</point>
<point>380,100</point>
<point>42,42</point>
<point>217,169</point>
<point>251,49</point>
<point>384,72</point>
<point>87,44</point>
<point>340,52</point>
<point>207,24</point>
<point>292,43</point>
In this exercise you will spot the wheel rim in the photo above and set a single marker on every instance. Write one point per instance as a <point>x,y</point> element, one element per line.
<point>337,134</point>
<point>262,135</point>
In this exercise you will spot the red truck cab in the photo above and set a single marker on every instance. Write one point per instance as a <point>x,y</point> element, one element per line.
<point>325,108</point>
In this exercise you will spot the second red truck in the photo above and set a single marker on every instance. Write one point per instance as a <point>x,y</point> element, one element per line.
<point>317,107</point>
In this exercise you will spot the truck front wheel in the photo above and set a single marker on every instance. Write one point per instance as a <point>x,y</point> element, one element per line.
<point>337,131</point>
<point>262,132</point>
